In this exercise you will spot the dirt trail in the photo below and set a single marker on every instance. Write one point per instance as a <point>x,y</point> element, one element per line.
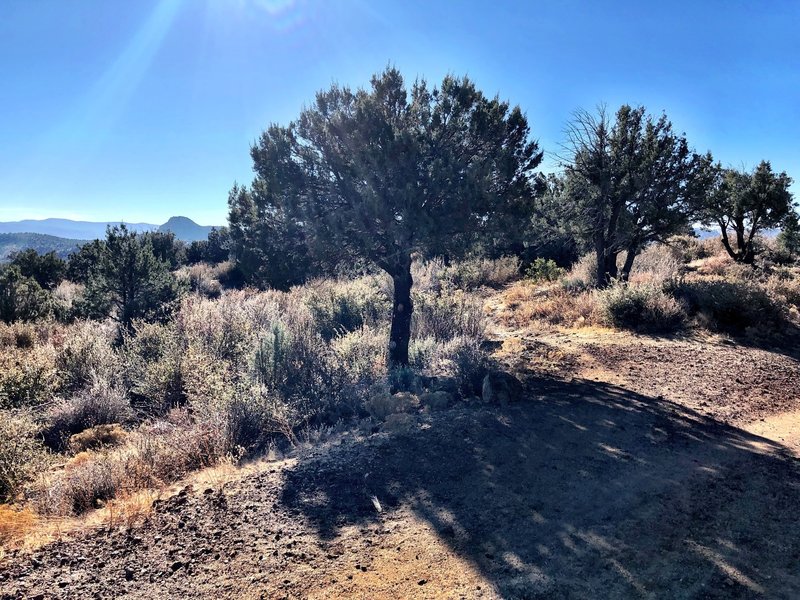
<point>628,470</point>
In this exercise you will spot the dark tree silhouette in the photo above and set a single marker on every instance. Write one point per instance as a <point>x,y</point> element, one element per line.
<point>384,172</point>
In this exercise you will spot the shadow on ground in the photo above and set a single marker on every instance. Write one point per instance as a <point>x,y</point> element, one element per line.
<point>582,490</point>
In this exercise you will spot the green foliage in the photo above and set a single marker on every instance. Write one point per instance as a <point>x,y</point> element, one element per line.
<point>151,367</point>
<point>166,247</point>
<point>640,307</point>
<point>380,174</point>
<point>22,298</point>
<point>731,305</point>
<point>744,204</point>
<point>129,282</point>
<point>22,454</point>
<point>789,237</point>
<point>542,269</point>
<point>46,269</point>
<point>628,183</point>
<point>81,263</point>
<point>342,306</point>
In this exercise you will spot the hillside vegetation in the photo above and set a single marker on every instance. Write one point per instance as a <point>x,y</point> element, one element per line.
<point>413,366</point>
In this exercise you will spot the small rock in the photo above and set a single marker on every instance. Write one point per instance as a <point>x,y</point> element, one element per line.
<point>176,565</point>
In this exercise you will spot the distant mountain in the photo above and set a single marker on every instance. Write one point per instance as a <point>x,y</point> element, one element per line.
<point>66,228</point>
<point>704,234</point>
<point>185,229</point>
<point>14,242</point>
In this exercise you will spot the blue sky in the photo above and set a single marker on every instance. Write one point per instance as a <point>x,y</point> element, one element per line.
<point>111,109</point>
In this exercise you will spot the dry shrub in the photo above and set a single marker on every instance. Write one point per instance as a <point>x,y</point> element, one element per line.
<point>656,265</point>
<point>152,367</point>
<point>86,355</point>
<point>342,306</point>
<point>447,316</point>
<point>731,305</point>
<point>643,307</point>
<point>202,279</point>
<point>97,437</point>
<point>784,289</point>
<point>362,355</point>
<point>22,454</point>
<point>154,455</point>
<point>28,377</point>
<point>687,248</point>
<point>15,523</point>
<point>715,266</point>
<point>526,303</point>
<point>99,404</point>
<point>18,335</point>
<point>475,273</point>
<point>382,404</point>
<point>461,360</point>
<point>67,297</point>
<point>583,274</point>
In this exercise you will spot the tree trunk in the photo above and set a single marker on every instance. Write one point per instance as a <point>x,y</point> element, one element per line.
<point>626,268</point>
<point>400,334</point>
<point>600,257</point>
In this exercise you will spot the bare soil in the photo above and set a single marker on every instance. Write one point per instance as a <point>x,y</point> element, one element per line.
<point>632,467</point>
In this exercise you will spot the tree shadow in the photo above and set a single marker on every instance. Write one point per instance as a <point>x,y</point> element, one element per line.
<point>583,490</point>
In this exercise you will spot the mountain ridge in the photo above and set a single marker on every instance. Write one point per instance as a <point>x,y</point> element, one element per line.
<point>184,228</point>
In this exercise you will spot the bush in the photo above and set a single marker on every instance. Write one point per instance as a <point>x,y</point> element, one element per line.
<point>154,455</point>
<point>687,248</point>
<point>731,305</point>
<point>583,274</point>
<point>28,377</point>
<point>86,355</point>
<point>22,454</point>
<point>639,307</point>
<point>151,371</point>
<point>656,265</point>
<point>100,404</point>
<point>341,306</point>
<point>544,270</point>
<point>462,360</point>
<point>446,316</point>
<point>97,437</point>
<point>474,273</point>
<point>22,298</point>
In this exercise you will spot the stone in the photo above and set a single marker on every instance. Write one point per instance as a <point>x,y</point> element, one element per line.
<point>500,388</point>
<point>439,400</point>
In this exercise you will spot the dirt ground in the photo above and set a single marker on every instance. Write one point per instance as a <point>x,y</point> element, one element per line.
<point>632,467</point>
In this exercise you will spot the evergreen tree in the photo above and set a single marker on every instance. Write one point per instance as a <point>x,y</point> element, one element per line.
<point>630,182</point>
<point>47,269</point>
<point>789,237</point>
<point>742,204</point>
<point>129,282</point>
<point>384,172</point>
<point>21,297</point>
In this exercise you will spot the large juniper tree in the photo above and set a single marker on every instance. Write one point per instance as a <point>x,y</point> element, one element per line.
<point>630,182</point>
<point>384,172</point>
<point>742,204</point>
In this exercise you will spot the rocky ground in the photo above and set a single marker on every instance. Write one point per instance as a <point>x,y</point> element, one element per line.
<point>630,467</point>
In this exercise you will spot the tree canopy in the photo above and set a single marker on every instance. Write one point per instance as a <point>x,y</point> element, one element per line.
<point>742,204</point>
<point>629,182</point>
<point>384,172</point>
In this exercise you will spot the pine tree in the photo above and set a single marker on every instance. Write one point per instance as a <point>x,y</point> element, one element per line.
<point>384,172</point>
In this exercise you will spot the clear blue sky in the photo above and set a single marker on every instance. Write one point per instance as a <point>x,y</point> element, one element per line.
<point>115,109</point>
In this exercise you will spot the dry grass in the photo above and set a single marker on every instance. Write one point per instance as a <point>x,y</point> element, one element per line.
<point>525,303</point>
